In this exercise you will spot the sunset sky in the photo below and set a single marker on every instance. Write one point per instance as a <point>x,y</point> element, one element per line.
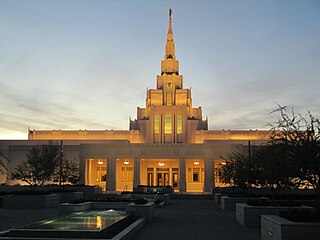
<point>82,64</point>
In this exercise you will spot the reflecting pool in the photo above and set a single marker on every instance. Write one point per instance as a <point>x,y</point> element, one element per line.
<point>87,221</point>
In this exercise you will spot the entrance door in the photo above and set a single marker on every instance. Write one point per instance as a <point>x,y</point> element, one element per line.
<point>162,176</point>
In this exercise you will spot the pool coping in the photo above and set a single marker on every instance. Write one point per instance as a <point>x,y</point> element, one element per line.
<point>123,235</point>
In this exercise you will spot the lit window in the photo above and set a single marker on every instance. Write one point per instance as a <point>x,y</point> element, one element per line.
<point>169,94</point>
<point>101,174</point>
<point>179,124</point>
<point>126,174</point>
<point>157,124</point>
<point>167,123</point>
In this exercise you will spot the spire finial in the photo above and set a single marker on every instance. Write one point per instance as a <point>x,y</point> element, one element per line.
<point>170,32</point>
<point>170,14</point>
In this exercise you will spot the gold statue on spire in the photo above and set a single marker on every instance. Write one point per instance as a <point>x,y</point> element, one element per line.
<point>170,13</point>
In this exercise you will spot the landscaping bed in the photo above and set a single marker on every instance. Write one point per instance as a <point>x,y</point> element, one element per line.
<point>277,228</point>
<point>30,201</point>
<point>250,215</point>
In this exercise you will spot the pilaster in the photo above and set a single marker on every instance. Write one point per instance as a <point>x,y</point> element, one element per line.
<point>136,176</point>
<point>183,180</point>
<point>111,174</point>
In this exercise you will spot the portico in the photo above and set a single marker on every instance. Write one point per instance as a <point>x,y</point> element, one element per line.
<point>120,167</point>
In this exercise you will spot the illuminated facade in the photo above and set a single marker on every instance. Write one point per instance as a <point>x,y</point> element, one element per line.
<point>168,144</point>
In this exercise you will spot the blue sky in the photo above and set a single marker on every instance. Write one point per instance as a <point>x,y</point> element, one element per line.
<point>86,64</point>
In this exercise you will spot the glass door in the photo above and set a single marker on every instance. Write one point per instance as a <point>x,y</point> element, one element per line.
<point>162,176</point>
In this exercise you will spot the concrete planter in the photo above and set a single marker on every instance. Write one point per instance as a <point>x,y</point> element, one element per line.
<point>217,198</point>
<point>66,208</point>
<point>146,210</point>
<point>78,207</point>
<point>65,197</point>
<point>154,189</point>
<point>276,228</point>
<point>162,197</point>
<point>89,192</point>
<point>30,201</point>
<point>249,216</point>
<point>229,203</point>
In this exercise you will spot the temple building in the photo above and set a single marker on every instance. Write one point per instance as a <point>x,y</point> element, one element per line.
<point>167,144</point>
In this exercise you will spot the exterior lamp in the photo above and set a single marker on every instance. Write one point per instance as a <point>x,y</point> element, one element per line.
<point>161,163</point>
<point>126,162</point>
<point>196,162</point>
<point>100,162</point>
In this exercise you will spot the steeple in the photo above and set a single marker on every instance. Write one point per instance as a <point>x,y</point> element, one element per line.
<point>170,51</point>
<point>170,32</point>
<point>169,116</point>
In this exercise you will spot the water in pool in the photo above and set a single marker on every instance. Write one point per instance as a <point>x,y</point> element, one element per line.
<point>88,220</point>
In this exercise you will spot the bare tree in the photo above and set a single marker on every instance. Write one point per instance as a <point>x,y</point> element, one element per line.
<point>302,136</point>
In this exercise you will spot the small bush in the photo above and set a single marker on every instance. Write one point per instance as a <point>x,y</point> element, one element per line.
<point>141,201</point>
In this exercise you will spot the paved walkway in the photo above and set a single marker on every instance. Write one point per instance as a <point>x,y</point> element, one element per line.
<point>197,220</point>
<point>11,218</point>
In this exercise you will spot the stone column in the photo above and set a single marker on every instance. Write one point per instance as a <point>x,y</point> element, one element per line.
<point>111,174</point>
<point>208,174</point>
<point>84,170</point>
<point>182,172</point>
<point>136,169</point>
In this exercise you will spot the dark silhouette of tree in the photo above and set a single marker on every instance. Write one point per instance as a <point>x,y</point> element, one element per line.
<point>238,170</point>
<point>69,171</point>
<point>3,168</point>
<point>39,165</point>
<point>302,136</point>
<point>274,168</point>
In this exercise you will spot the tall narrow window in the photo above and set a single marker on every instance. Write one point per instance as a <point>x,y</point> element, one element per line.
<point>167,123</point>
<point>101,174</point>
<point>169,94</point>
<point>157,123</point>
<point>126,174</point>
<point>179,124</point>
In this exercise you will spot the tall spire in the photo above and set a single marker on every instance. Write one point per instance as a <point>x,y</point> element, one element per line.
<point>170,51</point>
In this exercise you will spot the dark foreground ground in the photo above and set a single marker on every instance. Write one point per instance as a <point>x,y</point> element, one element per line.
<point>196,219</point>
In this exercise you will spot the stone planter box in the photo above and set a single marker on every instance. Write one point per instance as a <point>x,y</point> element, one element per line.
<point>30,201</point>
<point>154,189</point>
<point>65,197</point>
<point>217,198</point>
<point>146,210</point>
<point>276,228</point>
<point>229,203</point>
<point>78,207</point>
<point>66,208</point>
<point>162,197</point>
<point>250,216</point>
<point>88,191</point>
